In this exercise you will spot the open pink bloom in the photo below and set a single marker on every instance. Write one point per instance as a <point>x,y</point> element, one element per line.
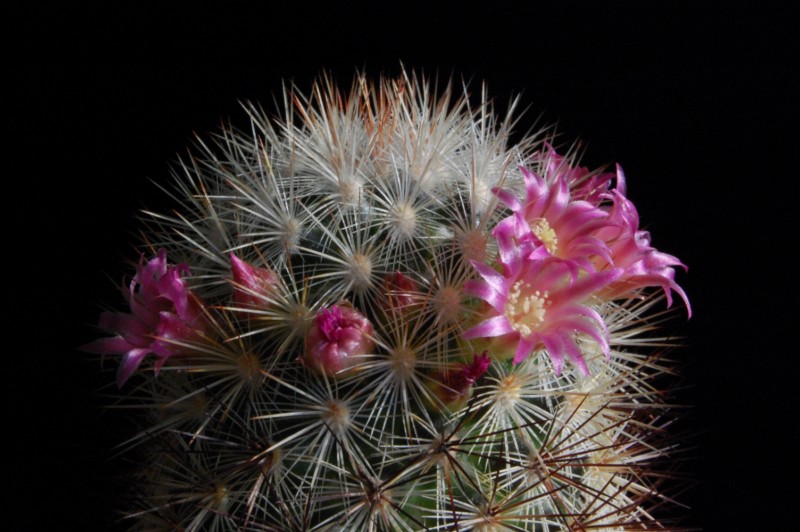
<point>641,264</point>
<point>252,287</point>
<point>339,335</point>
<point>540,302</point>
<point>599,234</point>
<point>457,384</point>
<point>164,314</point>
<point>565,227</point>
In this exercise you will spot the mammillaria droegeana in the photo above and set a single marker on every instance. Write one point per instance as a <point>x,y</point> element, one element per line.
<point>388,317</point>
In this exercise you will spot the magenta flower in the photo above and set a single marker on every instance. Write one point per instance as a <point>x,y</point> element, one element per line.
<point>336,339</point>
<point>599,233</point>
<point>539,302</point>
<point>252,287</point>
<point>164,315</point>
<point>641,264</point>
<point>566,228</point>
<point>456,384</point>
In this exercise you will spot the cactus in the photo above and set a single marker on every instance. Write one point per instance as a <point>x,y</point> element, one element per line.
<point>376,313</point>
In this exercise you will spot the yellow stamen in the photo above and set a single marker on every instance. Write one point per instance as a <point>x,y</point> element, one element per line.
<point>546,234</point>
<point>525,310</point>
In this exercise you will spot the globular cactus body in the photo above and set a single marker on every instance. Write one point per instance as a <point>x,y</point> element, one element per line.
<point>375,314</point>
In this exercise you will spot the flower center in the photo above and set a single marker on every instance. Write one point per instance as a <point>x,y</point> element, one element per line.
<point>546,234</point>
<point>525,310</point>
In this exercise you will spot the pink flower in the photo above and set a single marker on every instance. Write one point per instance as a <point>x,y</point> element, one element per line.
<point>164,314</point>
<point>339,335</point>
<point>599,234</point>
<point>252,287</point>
<point>539,302</point>
<point>641,264</point>
<point>456,384</point>
<point>565,227</point>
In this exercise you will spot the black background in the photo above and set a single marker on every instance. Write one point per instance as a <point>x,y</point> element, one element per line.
<point>697,101</point>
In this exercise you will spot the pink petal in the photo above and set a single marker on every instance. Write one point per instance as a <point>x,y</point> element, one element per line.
<point>133,330</point>
<point>491,277</point>
<point>555,349</point>
<point>524,349</point>
<point>574,353</point>
<point>582,325</point>
<point>509,198</point>
<point>481,289</point>
<point>108,346</point>
<point>129,364</point>
<point>496,326</point>
<point>621,187</point>
<point>559,199</point>
<point>171,287</point>
<point>252,286</point>
<point>339,336</point>
<point>582,288</point>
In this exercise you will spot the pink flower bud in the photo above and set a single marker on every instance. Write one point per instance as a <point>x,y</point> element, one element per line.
<point>454,386</point>
<point>339,335</point>
<point>252,287</point>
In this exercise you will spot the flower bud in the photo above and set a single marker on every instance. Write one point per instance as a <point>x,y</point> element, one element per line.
<point>454,387</point>
<point>339,335</point>
<point>252,287</point>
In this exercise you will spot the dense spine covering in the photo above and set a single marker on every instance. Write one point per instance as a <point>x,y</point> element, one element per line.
<point>374,313</point>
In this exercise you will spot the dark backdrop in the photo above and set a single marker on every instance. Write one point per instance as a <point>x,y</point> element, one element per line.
<point>694,100</point>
